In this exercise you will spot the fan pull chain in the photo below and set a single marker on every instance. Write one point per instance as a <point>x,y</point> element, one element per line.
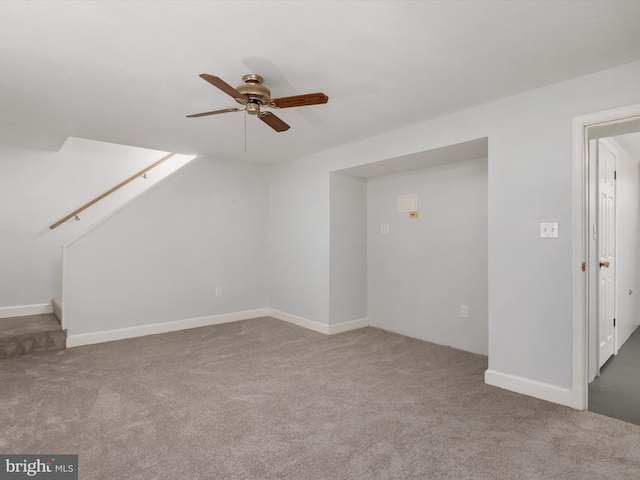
<point>245,132</point>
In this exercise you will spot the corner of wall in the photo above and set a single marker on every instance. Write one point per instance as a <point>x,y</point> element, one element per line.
<point>569,397</point>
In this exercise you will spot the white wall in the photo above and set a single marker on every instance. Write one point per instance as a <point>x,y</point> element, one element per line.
<point>627,243</point>
<point>298,271</point>
<point>529,181</point>
<point>427,267</point>
<point>348,248</point>
<point>37,188</point>
<point>161,258</point>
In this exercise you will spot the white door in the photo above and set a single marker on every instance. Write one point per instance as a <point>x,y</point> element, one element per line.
<point>606,251</point>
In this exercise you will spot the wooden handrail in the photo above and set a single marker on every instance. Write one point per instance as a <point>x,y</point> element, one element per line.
<point>120,185</point>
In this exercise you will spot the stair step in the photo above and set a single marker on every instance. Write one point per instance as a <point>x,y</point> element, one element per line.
<point>29,334</point>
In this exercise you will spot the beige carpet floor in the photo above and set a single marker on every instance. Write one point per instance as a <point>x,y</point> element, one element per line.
<point>263,399</point>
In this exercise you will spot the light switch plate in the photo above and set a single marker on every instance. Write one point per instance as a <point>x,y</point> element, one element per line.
<point>549,230</point>
<point>384,229</point>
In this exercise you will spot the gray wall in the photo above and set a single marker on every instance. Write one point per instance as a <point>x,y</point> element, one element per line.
<point>38,188</point>
<point>161,258</point>
<point>530,181</point>
<point>427,267</point>
<point>299,239</point>
<point>348,250</point>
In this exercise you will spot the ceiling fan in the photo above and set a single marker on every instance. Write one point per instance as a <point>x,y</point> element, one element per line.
<point>253,95</point>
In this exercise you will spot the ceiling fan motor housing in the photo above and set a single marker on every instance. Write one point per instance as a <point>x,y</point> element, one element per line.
<point>255,93</point>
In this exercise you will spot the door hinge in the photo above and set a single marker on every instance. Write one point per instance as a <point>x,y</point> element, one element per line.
<point>614,322</point>
<point>584,266</point>
<point>615,174</point>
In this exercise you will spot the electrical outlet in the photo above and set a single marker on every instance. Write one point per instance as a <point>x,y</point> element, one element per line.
<point>218,291</point>
<point>464,311</point>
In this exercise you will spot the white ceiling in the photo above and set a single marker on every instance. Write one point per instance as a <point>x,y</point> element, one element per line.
<point>127,72</point>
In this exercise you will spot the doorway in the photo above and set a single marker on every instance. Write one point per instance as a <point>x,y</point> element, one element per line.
<point>614,348</point>
<point>601,277</point>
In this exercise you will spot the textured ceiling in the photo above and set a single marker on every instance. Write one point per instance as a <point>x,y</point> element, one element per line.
<point>127,72</point>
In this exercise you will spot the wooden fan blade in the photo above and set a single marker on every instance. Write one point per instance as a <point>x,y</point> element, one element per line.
<point>222,85</point>
<point>215,112</point>
<point>299,100</point>
<point>274,122</point>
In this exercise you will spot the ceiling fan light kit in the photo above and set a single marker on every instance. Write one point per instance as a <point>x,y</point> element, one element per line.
<point>253,95</point>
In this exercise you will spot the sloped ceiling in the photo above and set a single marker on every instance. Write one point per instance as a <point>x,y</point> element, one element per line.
<point>127,72</point>
<point>631,143</point>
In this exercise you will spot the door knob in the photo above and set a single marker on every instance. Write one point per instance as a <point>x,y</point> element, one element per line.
<point>604,264</point>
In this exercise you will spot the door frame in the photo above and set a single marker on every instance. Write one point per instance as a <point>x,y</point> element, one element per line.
<point>580,242</point>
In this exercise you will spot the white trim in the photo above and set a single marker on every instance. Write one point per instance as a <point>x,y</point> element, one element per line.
<point>63,297</point>
<point>24,310</point>
<point>580,235</point>
<point>319,326</point>
<point>300,321</point>
<point>348,325</point>
<point>155,328</point>
<point>580,252</point>
<point>564,396</point>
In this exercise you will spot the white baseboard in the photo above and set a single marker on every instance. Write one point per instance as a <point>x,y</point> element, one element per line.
<point>155,328</point>
<point>348,325</point>
<point>319,326</point>
<point>24,310</point>
<point>569,397</point>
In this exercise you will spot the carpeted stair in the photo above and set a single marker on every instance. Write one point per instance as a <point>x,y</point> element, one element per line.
<point>29,334</point>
